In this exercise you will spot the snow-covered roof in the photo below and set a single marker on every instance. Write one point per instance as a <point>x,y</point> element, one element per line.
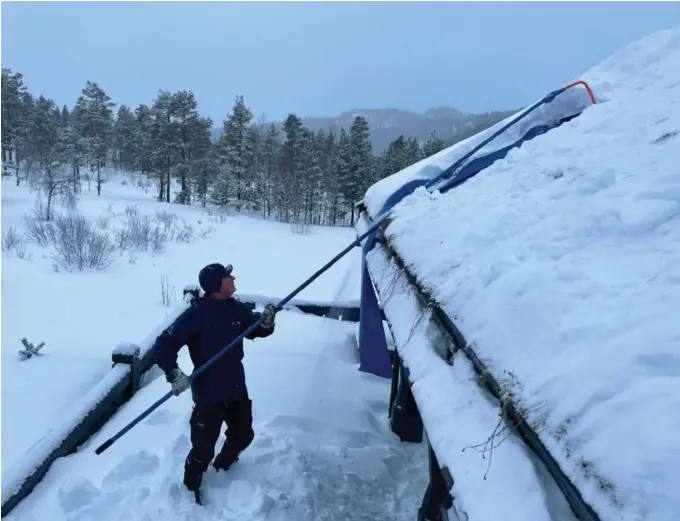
<point>561,263</point>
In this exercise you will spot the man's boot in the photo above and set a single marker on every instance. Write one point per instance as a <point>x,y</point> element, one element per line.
<point>193,475</point>
<point>226,458</point>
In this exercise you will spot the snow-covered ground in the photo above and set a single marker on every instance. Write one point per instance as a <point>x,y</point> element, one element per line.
<point>82,316</point>
<point>561,265</point>
<point>322,448</point>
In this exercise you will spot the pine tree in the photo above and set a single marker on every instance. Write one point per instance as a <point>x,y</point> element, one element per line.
<point>328,188</point>
<point>124,131</point>
<point>142,141</point>
<point>332,182</point>
<point>203,162</point>
<point>233,150</point>
<point>96,119</point>
<point>270,163</point>
<point>254,169</point>
<point>189,139</point>
<point>432,145</point>
<point>361,166</point>
<point>13,117</point>
<point>413,154</point>
<point>75,146</point>
<point>206,171</point>
<point>22,139</point>
<point>289,189</point>
<point>162,144</point>
<point>310,176</point>
<point>47,147</point>
<point>344,159</point>
<point>396,156</point>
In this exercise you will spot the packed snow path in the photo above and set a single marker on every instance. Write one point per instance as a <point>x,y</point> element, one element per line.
<point>322,448</point>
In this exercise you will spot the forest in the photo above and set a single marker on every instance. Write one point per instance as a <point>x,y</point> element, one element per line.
<point>278,171</point>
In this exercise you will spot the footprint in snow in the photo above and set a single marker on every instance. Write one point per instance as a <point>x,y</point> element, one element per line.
<point>245,499</point>
<point>77,493</point>
<point>181,503</point>
<point>132,467</point>
<point>181,446</point>
<point>162,417</point>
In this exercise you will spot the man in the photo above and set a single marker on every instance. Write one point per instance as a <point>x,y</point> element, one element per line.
<point>219,393</point>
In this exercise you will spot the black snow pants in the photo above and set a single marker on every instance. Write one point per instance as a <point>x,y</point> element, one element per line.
<point>206,422</point>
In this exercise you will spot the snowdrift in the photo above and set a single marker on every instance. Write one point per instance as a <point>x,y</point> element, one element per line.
<point>560,263</point>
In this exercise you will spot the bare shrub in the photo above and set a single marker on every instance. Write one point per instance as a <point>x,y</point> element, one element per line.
<point>40,209</point>
<point>39,231</point>
<point>167,293</point>
<point>20,251</point>
<point>69,199</point>
<point>176,228</point>
<point>144,233</point>
<point>139,233</point>
<point>103,221</point>
<point>34,177</point>
<point>301,228</point>
<point>206,232</point>
<point>167,219</point>
<point>131,211</point>
<point>185,234</point>
<point>11,239</point>
<point>79,245</point>
<point>158,242</point>
<point>218,217</point>
<point>56,185</point>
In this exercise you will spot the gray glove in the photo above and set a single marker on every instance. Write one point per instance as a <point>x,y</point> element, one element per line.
<point>178,380</point>
<point>269,313</point>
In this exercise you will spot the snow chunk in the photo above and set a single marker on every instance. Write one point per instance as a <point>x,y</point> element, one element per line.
<point>126,349</point>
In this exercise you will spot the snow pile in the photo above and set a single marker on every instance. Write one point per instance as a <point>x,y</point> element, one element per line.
<point>561,264</point>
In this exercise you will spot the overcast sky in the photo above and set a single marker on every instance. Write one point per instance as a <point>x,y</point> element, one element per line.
<point>319,59</point>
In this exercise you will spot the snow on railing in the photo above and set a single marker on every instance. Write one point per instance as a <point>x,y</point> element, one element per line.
<point>343,310</point>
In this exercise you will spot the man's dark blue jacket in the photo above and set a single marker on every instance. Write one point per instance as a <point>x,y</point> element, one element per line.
<point>206,328</point>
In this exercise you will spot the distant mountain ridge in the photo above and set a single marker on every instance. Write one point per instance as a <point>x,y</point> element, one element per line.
<point>386,125</point>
